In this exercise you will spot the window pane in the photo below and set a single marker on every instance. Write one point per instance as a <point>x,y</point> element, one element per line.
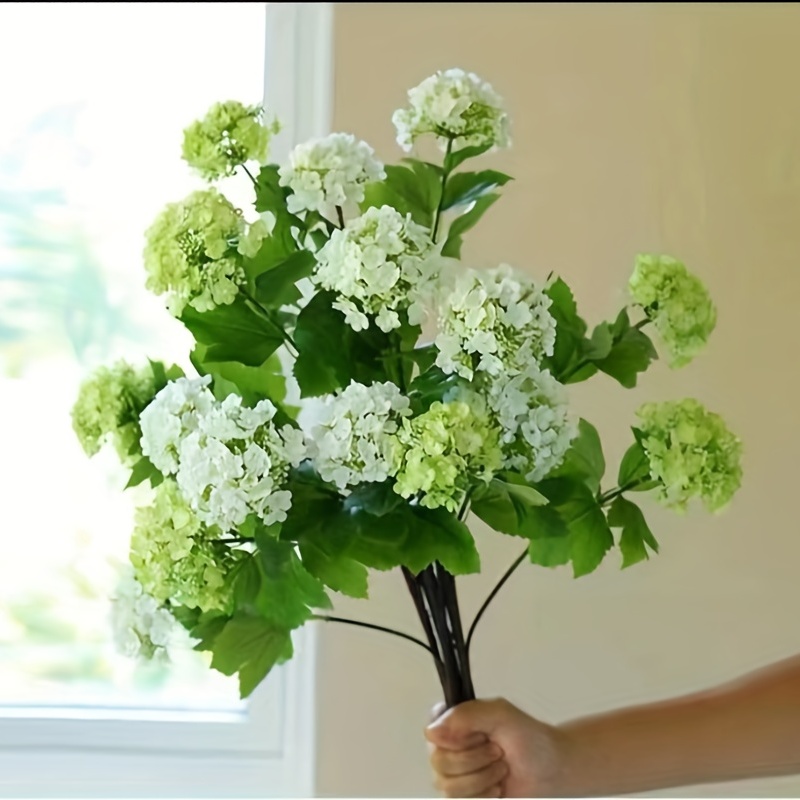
<point>89,154</point>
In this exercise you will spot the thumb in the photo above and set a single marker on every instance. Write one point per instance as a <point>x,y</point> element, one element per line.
<point>464,726</point>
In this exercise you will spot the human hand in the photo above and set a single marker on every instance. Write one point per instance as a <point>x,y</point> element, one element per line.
<point>489,748</point>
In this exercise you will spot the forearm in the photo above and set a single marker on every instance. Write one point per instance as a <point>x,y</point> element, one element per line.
<point>748,728</point>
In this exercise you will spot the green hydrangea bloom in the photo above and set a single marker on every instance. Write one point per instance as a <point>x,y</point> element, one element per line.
<point>108,407</point>
<point>677,302</point>
<point>190,252</point>
<point>229,135</point>
<point>173,556</point>
<point>692,453</point>
<point>444,450</point>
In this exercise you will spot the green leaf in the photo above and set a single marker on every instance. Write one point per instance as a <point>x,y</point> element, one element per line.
<point>331,353</point>
<point>510,505</point>
<point>467,187</point>
<point>589,535</point>
<point>570,332</point>
<point>270,196</point>
<point>634,467</point>
<point>460,225</point>
<point>207,629</point>
<point>456,158</point>
<point>144,470</point>
<point>599,346</point>
<point>636,535</point>
<point>584,460</point>
<point>252,383</point>
<point>549,551</point>
<point>374,498</point>
<point>277,286</point>
<point>250,646</point>
<point>431,386</point>
<point>339,572</point>
<point>288,592</point>
<point>233,332</point>
<point>411,190</point>
<point>631,353</point>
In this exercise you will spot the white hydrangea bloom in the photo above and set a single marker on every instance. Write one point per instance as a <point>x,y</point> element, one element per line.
<point>532,410</point>
<point>492,322</point>
<point>453,104</point>
<point>378,264</point>
<point>353,439</point>
<point>141,626</point>
<point>330,172</point>
<point>229,460</point>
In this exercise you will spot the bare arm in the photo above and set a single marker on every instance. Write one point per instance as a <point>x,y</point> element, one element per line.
<point>743,729</point>
<point>747,728</point>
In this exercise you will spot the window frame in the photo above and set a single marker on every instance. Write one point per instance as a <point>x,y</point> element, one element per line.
<point>268,748</point>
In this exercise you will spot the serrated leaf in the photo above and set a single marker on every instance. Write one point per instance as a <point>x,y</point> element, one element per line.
<point>460,225</point>
<point>634,467</point>
<point>411,190</point>
<point>431,386</point>
<point>374,498</point>
<point>288,592</point>
<point>277,286</point>
<point>584,460</point>
<point>457,157</point>
<point>600,343</point>
<point>589,535</point>
<point>629,356</point>
<point>510,505</point>
<point>251,646</point>
<point>339,572</point>
<point>466,187</point>
<point>144,470</point>
<point>636,534</point>
<point>549,551</point>
<point>570,332</point>
<point>233,332</point>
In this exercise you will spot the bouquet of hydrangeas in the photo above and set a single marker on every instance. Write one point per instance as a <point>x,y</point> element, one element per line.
<point>325,435</point>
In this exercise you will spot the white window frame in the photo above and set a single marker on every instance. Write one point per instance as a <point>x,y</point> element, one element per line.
<point>267,750</point>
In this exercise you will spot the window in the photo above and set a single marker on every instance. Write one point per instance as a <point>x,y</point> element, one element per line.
<point>88,157</point>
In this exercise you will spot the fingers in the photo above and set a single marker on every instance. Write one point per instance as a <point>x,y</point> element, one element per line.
<point>483,783</point>
<point>437,711</point>
<point>452,763</point>
<point>466,725</point>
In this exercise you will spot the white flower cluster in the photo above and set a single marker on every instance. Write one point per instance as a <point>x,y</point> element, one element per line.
<point>532,410</point>
<point>229,460</point>
<point>330,172</point>
<point>354,439</point>
<point>141,626</point>
<point>378,264</point>
<point>492,322</point>
<point>457,105</point>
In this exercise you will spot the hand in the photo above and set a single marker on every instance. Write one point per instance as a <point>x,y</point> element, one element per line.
<point>489,748</point>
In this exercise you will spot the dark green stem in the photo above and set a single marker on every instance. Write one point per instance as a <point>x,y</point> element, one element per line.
<point>445,175</point>
<point>325,618</point>
<point>340,215</point>
<point>249,175</point>
<point>509,572</point>
<point>264,313</point>
<point>425,620</point>
<point>604,498</point>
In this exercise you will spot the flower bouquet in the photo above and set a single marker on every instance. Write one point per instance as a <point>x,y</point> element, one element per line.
<point>359,392</point>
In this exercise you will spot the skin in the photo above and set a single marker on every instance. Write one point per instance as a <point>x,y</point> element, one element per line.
<point>747,728</point>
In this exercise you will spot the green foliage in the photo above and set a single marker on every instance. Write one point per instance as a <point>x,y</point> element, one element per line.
<point>588,537</point>
<point>430,387</point>
<point>250,645</point>
<point>277,285</point>
<point>454,159</point>
<point>634,469</point>
<point>510,505</point>
<point>467,187</point>
<point>584,460</point>
<point>144,470</point>
<point>235,332</point>
<point>414,189</point>
<point>636,535</point>
<point>631,352</point>
<point>460,225</point>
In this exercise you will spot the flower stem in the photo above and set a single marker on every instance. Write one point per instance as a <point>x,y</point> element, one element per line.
<point>407,637</point>
<point>340,215</point>
<point>264,313</point>
<point>508,573</point>
<point>249,175</point>
<point>604,498</point>
<point>445,176</point>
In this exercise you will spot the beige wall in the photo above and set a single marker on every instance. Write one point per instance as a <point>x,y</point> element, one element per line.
<point>670,128</point>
